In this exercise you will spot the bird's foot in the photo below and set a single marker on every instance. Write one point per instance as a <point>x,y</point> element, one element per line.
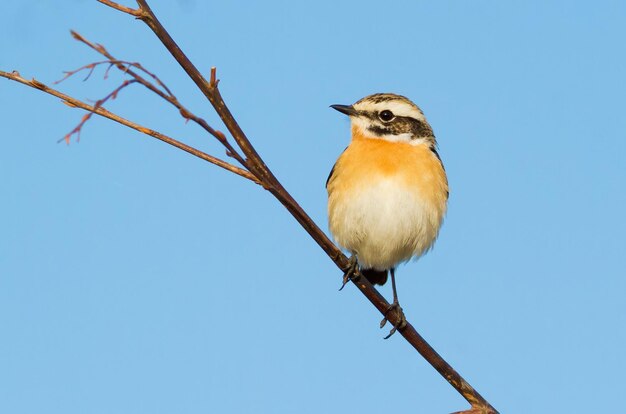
<point>394,307</point>
<point>351,272</point>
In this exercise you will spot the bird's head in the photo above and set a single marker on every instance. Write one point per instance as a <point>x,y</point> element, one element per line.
<point>390,117</point>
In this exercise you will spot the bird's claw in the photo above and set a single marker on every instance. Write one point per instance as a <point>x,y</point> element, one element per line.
<point>395,306</point>
<point>350,273</point>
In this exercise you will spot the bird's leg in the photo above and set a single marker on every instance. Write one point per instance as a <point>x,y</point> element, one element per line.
<point>351,271</point>
<point>394,306</point>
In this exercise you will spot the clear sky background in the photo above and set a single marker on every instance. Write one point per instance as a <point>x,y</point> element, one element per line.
<point>135,278</point>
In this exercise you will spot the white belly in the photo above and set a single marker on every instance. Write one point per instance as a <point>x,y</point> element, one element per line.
<point>383,223</point>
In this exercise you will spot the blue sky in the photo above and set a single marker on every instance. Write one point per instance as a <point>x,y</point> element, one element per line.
<point>135,278</point>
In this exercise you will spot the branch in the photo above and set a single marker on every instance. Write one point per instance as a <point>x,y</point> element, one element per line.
<point>259,169</point>
<point>99,110</point>
<point>165,93</point>
<point>117,6</point>
<point>258,172</point>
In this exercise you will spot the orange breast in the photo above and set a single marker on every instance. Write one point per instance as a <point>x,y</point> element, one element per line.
<point>367,160</point>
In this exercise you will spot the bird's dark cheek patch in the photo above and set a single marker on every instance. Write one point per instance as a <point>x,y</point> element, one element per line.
<point>420,129</point>
<point>393,128</point>
<point>379,131</point>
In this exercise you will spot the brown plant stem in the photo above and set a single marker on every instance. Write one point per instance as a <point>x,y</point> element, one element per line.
<point>99,110</point>
<point>165,93</point>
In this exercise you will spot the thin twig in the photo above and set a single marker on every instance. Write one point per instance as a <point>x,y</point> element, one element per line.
<point>167,95</point>
<point>125,67</point>
<point>96,105</point>
<point>117,6</point>
<point>91,67</point>
<point>75,103</point>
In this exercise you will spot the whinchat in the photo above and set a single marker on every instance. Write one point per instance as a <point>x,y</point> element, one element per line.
<point>388,191</point>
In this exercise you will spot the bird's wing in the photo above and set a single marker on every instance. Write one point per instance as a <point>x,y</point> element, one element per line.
<point>434,150</point>
<point>333,169</point>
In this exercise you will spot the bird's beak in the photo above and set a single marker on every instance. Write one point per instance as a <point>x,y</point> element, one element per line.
<point>345,109</point>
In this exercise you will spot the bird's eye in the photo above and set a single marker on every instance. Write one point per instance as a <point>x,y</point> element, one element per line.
<point>386,115</point>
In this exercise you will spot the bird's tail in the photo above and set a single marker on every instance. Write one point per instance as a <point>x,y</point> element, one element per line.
<point>375,277</point>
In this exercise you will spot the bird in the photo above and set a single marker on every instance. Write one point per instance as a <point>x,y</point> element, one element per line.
<point>388,190</point>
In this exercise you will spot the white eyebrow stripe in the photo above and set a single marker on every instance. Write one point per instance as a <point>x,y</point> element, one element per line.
<point>398,108</point>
